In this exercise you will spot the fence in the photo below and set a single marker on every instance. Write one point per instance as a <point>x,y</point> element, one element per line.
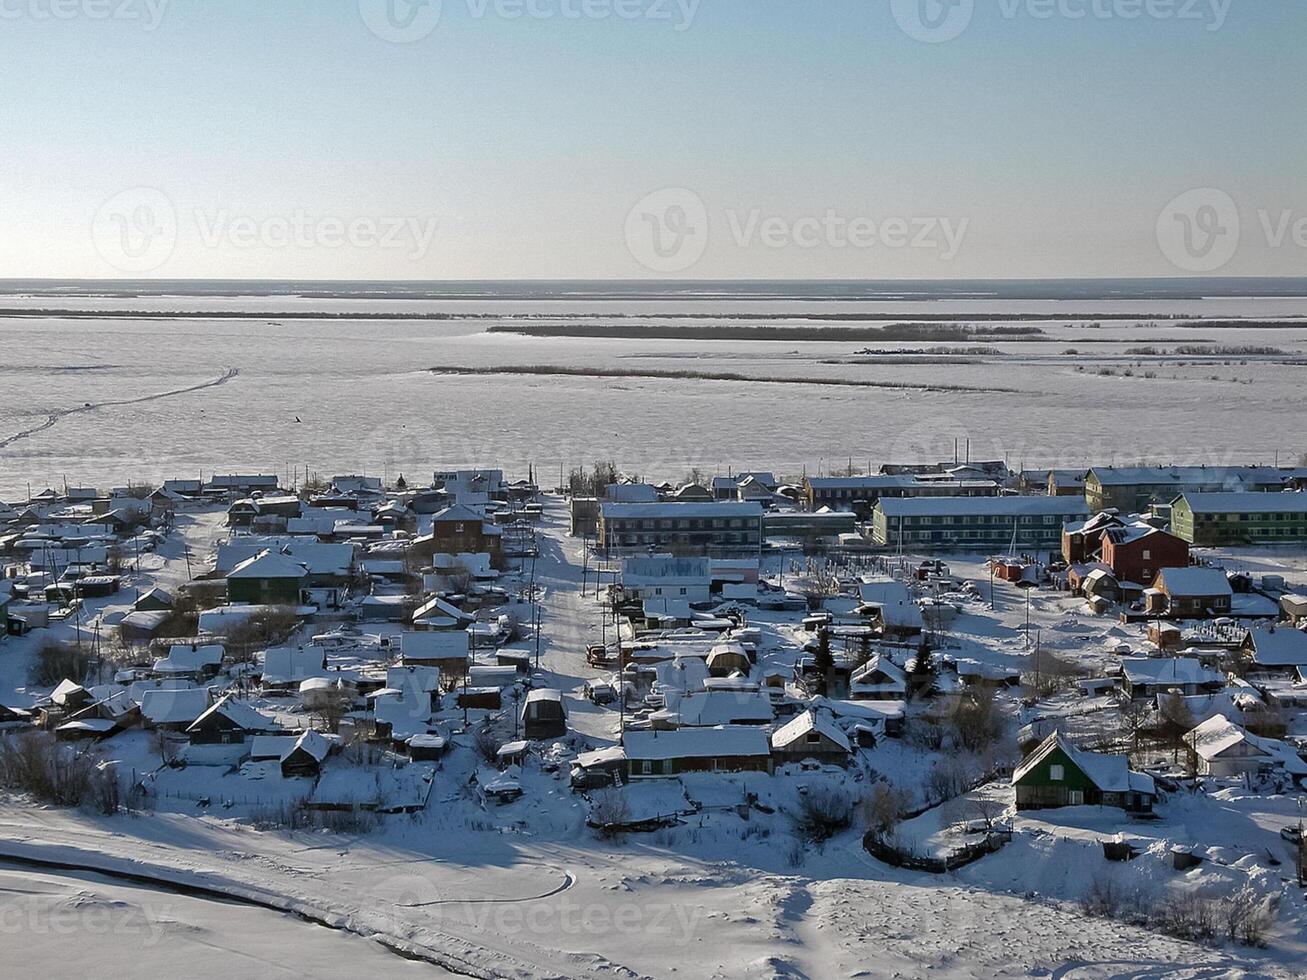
<point>960,857</point>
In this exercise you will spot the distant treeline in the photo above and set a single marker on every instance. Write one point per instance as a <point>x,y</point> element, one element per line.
<point>548,370</point>
<point>1221,350</point>
<point>653,331</point>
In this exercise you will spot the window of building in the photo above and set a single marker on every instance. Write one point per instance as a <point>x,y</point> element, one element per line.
<point>1056,773</point>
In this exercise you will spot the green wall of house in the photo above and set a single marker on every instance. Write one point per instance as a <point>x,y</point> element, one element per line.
<point>1042,775</point>
<point>265,591</point>
<point>1265,527</point>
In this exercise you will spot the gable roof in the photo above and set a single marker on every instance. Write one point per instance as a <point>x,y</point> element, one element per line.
<point>1109,773</point>
<point>1218,734</point>
<point>1195,581</point>
<point>810,721</point>
<point>1281,646</point>
<point>457,512</point>
<point>269,564</point>
<point>239,713</point>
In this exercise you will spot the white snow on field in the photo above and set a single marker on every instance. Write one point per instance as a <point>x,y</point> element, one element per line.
<point>354,396</point>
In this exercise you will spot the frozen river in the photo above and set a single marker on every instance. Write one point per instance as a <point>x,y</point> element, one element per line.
<point>112,397</point>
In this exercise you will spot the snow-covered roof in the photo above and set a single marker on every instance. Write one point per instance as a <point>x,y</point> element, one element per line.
<point>323,558</point>
<point>810,721</point>
<point>631,493</point>
<point>1167,671</point>
<point>434,644</point>
<point>1181,475</point>
<point>1194,581</point>
<point>457,512</point>
<point>1247,503</point>
<point>897,609</point>
<point>706,709</point>
<point>697,743</point>
<point>185,658</point>
<point>290,665</point>
<point>609,756</point>
<point>239,713</point>
<point>1218,735</point>
<point>269,564</point>
<point>896,679</point>
<point>174,707</point>
<point>1280,646</point>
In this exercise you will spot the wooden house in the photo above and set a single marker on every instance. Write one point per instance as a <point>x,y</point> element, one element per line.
<point>810,735</point>
<point>1058,774</point>
<point>655,754</point>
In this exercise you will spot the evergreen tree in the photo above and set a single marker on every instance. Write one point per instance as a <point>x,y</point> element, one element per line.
<point>922,676</point>
<point>823,661</point>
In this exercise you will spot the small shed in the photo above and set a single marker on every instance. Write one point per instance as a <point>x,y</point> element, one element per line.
<point>544,715</point>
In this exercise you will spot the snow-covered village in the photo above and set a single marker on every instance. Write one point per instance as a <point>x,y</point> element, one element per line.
<point>940,717</point>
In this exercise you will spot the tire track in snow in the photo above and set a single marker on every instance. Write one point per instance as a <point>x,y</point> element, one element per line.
<point>55,417</point>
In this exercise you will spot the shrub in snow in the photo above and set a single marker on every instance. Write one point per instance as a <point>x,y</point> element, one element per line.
<point>36,764</point>
<point>56,661</point>
<point>609,810</point>
<point>884,808</point>
<point>823,813</point>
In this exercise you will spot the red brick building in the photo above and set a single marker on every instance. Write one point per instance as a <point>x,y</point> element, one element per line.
<point>1138,552</point>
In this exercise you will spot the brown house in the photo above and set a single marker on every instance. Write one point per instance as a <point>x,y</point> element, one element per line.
<point>1137,553</point>
<point>459,530</point>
